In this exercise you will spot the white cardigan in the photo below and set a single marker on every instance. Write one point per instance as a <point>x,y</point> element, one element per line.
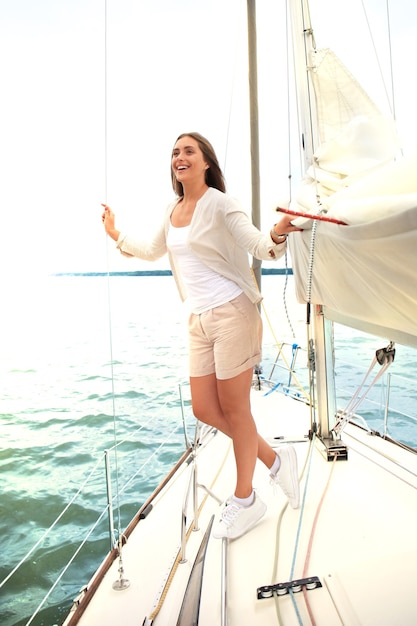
<point>221,236</point>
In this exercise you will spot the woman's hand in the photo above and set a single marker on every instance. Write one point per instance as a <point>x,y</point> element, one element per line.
<point>284,226</point>
<point>280,230</point>
<point>108,221</point>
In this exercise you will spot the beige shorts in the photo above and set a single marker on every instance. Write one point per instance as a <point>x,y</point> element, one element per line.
<point>226,340</point>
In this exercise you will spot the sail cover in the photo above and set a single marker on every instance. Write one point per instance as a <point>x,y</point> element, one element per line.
<point>364,273</point>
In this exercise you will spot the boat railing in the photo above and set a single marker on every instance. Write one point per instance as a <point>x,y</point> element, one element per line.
<point>285,374</point>
<point>192,487</point>
<point>202,431</point>
<point>383,410</point>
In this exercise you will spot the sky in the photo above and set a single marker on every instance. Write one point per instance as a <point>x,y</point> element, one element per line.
<point>95,92</point>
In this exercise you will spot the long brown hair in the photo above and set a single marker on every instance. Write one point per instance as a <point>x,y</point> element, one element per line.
<point>214,175</point>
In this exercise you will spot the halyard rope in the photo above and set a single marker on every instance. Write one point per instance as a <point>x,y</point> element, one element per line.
<point>306,468</point>
<point>310,543</point>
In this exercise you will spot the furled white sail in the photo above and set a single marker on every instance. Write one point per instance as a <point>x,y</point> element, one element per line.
<point>363,273</point>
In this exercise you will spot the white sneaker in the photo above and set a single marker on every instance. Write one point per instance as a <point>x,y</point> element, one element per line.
<point>287,475</point>
<point>236,520</point>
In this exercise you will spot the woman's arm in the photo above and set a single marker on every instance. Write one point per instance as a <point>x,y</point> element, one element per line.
<point>150,250</point>
<point>249,237</point>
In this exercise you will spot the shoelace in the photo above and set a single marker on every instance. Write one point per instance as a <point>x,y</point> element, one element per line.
<point>273,483</point>
<point>230,513</point>
<point>276,480</point>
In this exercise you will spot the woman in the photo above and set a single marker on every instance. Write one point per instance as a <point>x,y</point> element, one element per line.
<point>207,236</point>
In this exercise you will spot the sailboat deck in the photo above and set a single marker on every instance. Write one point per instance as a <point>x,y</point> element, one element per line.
<point>355,531</point>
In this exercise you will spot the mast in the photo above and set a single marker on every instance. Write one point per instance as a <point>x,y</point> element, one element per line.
<point>254,126</point>
<point>321,344</point>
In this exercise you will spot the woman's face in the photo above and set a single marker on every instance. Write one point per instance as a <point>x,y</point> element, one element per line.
<point>188,162</point>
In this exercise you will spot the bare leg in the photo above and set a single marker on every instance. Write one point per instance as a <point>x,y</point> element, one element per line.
<point>225,404</point>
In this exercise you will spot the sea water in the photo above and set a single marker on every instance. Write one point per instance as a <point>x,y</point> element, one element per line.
<point>88,362</point>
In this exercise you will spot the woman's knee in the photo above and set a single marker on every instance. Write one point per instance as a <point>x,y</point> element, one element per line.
<point>199,412</point>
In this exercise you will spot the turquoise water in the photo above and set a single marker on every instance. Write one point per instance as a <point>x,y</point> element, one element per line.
<point>88,362</point>
<point>63,404</point>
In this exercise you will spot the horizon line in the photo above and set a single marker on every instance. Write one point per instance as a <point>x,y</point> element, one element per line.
<point>264,271</point>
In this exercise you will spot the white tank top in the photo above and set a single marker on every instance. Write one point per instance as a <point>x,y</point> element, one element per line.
<point>206,289</point>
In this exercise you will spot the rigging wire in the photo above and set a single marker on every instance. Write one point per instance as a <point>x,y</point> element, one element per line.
<point>349,412</point>
<point>390,100</point>
<point>232,85</point>
<point>289,117</point>
<point>394,114</point>
<point>108,269</point>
